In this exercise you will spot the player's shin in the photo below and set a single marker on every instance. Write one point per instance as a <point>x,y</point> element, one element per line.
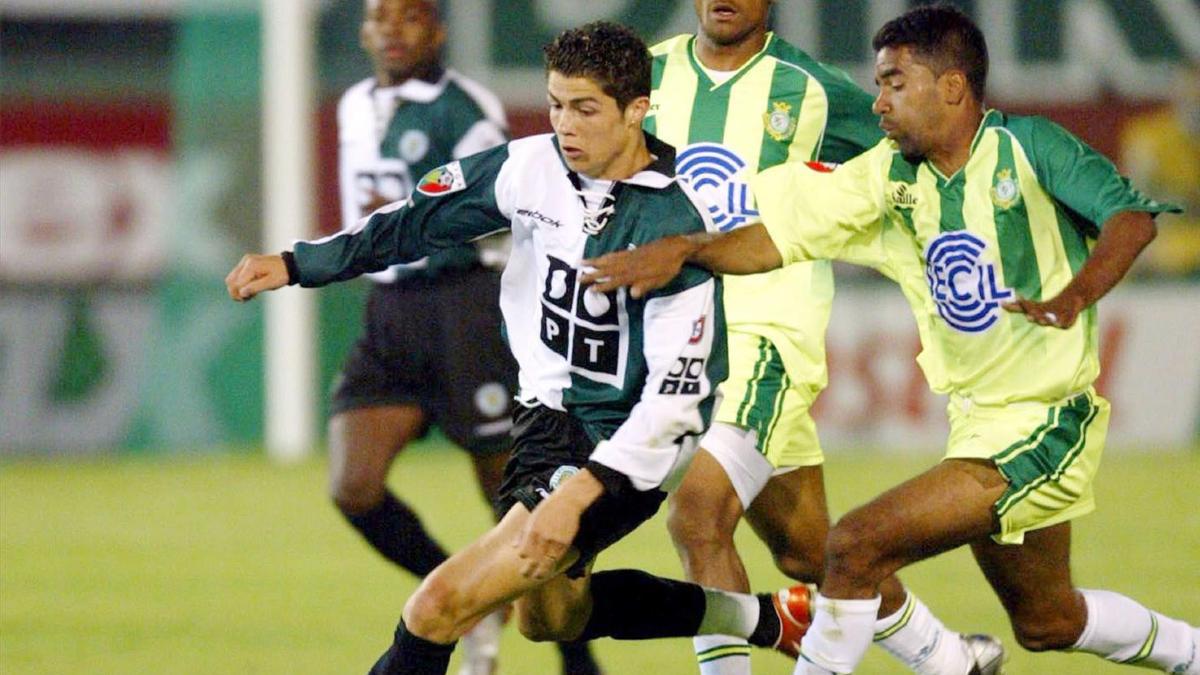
<point>839,636</point>
<point>1122,630</point>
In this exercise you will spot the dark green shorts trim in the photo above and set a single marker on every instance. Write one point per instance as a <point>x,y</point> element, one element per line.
<point>1047,453</point>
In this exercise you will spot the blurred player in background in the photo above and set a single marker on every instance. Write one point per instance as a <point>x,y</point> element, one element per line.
<point>973,212</point>
<point>1161,151</point>
<point>735,99</point>
<point>432,350</point>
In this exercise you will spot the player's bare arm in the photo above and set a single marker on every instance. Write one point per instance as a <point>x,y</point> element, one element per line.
<point>254,274</point>
<point>546,538</point>
<point>747,250</point>
<point>1121,241</point>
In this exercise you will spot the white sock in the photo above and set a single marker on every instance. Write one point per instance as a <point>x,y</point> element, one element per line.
<point>920,641</point>
<point>1122,630</point>
<point>722,655</point>
<point>481,645</point>
<point>728,613</point>
<point>838,637</point>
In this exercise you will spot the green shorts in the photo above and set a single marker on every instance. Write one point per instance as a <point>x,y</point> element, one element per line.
<point>1049,453</point>
<point>760,395</point>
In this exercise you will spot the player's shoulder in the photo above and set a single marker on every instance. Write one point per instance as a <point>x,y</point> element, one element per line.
<point>463,91</point>
<point>678,43</point>
<point>356,95</point>
<point>1034,133</point>
<point>827,75</point>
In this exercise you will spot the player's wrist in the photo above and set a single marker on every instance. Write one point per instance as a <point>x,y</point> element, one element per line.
<point>289,263</point>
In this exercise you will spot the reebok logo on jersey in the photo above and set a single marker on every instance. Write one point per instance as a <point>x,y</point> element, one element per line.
<point>442,180</point>
<point>962,285</point>
<point>539,216</point>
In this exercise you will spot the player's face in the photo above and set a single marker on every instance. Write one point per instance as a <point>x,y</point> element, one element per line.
<point>592,131</point>
<point>727,22</point>
<point>909,103</point>
<point>402,37</point>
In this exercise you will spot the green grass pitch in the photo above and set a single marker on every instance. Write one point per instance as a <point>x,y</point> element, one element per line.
<point>227,564</point>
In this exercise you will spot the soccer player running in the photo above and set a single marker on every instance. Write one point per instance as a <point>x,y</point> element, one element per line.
<point>736,99</point>
<point>972,212</point>
<point>615,390</point>
<point>430,352</point>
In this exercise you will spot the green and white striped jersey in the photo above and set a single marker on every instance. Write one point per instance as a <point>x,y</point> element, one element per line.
<point>389,136</point>
<point>1020,217</point>
<point>640,373</point>
<point>781,105</point>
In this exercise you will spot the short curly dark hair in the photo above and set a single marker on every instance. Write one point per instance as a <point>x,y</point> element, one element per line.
<point>944,37</point>
<point>608,53</point>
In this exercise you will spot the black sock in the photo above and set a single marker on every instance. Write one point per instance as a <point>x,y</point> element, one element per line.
<point>412,655</point>
<point>634,605</point>
<point>577,659</point>
<point>396,532</point>
<point>766,632</point>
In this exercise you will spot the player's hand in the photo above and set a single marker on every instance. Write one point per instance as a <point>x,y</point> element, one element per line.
<point>1057,312</point>
<point>642,269</point>
<point>545,542</point>
<point>254,274</point>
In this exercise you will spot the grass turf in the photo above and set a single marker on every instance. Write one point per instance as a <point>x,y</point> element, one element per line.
<point>227,564</point>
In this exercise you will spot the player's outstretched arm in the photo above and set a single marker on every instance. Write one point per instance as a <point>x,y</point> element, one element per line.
<point>1121,240</point>
<point>748,250</point>
<point>254,274</point>
<point>546,538</point>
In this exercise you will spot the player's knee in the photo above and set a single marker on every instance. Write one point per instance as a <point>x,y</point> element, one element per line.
<point>700,521</point>
<point>853,550</point>
<point>802,564</point>
<point>432,611</point>
<point>1049,631</point>
<point>355,492</point>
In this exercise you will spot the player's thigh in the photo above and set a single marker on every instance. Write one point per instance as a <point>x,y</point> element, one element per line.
<point>705,505</point>
<point>791,516</point>
<point>475,372</point>
<point>945,507</point>
<point>363,442</point>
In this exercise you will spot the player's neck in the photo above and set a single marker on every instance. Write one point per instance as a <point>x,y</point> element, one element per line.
<point>634,157</point>
<point>730,56</point>
<point>430,72</point>
<point>954,149</point>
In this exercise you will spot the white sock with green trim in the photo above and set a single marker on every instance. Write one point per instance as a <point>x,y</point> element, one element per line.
<point>722,655</point>
<point>920,641</point>
<point>1122,630</point>
<point>838,638</point>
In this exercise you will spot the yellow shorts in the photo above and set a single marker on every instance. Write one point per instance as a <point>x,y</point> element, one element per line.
<point>1048,452</point>
<point>760,395</point>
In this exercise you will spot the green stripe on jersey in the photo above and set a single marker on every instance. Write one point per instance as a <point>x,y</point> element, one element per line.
<point>1018,259</point>
<point>789,91</point>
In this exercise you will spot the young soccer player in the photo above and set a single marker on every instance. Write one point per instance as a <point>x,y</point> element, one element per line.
<point>736,99</point>
<point>973,212</point>
<point>614,390</point>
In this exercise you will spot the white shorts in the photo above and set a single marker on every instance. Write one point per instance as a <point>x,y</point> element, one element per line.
<point>736,450</point>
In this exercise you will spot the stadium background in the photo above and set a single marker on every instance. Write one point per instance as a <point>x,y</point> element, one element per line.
<point>131,181</point>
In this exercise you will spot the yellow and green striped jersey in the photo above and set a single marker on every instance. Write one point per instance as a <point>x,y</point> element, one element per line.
<point>780,106</point>
<point>1020,217</point>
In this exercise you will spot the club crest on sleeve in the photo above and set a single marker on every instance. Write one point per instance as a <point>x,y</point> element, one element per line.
<point>697,331</point>
<point>442,180</point>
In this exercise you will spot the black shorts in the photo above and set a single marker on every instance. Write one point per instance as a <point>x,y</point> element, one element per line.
<point>436,343</point>
<point>550,445</point>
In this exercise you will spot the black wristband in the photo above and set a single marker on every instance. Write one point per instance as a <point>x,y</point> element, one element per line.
<point>615,483</point>
<point>289,261</point>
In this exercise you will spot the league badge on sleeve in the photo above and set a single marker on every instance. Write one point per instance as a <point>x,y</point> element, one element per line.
<point>442,180</point>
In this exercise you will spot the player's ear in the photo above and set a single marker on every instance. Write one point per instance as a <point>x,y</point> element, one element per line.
<point>953,86</point>
<point>635,111</point>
